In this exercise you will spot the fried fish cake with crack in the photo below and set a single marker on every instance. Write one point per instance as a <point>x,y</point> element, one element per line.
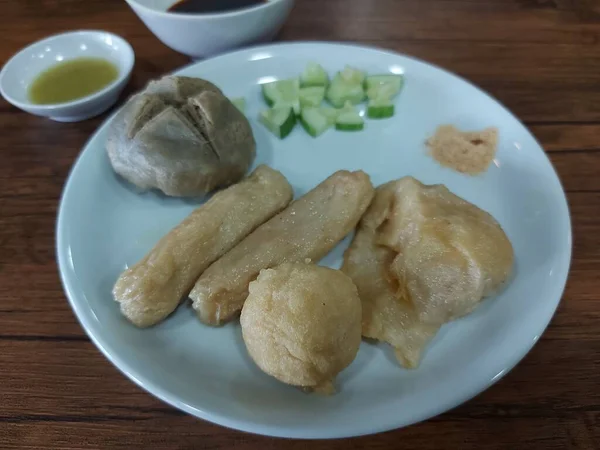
<point>181,135</point>
<point>308,229</point>
<point>151,289</point>
<point>301,324</point>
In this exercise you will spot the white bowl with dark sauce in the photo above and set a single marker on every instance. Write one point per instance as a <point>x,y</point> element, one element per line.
<point>201,28</point>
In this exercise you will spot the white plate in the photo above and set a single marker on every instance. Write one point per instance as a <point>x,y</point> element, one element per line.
<point>104,225</point>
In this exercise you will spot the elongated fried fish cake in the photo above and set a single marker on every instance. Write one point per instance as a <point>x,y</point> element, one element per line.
<point>308,229</point>
<point>151,290</point>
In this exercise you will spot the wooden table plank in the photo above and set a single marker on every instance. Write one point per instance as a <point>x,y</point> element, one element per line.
<point>553,434</point>
<point>528,56</point>
<point>540,57</point>
<point>74,374</point>
<point>70,373</point>
<point>568,137</point>
<point>45,158</point>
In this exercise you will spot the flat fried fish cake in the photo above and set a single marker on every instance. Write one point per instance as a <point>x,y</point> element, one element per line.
<point>387,315</point>
<point>450,253</point>
<point>151,289</point>
<point>422,257</point>
<point>308,229</point>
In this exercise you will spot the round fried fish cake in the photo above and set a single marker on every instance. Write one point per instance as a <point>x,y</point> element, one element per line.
<point>301,324</point>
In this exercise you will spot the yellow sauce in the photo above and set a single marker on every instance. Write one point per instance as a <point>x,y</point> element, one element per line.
<point>71,80</point>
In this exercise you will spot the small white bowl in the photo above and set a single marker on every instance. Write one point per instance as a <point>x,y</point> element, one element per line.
<point>202,35</point>
<point>23,68</point>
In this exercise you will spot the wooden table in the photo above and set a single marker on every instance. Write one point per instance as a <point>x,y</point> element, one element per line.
<point>541,58</point>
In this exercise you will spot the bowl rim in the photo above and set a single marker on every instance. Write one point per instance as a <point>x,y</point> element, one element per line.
<point>179,15</point>
<point>123,75</point>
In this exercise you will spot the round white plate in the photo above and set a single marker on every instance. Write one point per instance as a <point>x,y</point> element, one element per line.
<point>104,225</point>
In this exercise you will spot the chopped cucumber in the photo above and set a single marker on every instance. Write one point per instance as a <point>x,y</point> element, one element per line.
<point>239,103</point>
<point>331,114</point>
<point>380,109</point>
<point>283,93</point>
<point>383,86</point>
<point>282,90</point>
<point>349,119</point>
<point>392,79</point>
<point>312,96</point>
<point>314,121</point>
<point>340,92</point>
<point>384,91</point>
<point>349,123</point>
<point>314,75</point>
<point>352,76</point>
<point>303,96</point>
<point>295,105</point>
<point>279,120</point>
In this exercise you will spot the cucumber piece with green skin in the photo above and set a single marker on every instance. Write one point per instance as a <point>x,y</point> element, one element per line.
<point>312,96</point>
<point>314,75</point>
<point>283,93</point>
<point>380,109</point>
<point>379,86</point>
<point>394,80</point>
<point>295,105</point>
<point>330,113</point>
<point>352,76</point>
<point>340,92</point>
<point>383,91</point>
<point>349,119</point>
<point>281,90</point>
<point>239,103</point>
<point>314,121</point>
<point>346,122</point>
<point>279,120</point>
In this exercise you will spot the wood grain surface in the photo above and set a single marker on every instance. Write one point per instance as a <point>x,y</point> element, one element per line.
<point>540,58</point>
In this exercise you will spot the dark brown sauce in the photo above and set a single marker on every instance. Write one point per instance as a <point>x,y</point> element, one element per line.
<point>212,6</point>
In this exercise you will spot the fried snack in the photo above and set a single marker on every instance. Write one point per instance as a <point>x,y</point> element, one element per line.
<point>301,324</point>
<point>308,229</point>
<point>422,257</point>
<point>181,135</point>
<point>151,290</point>
<point>387,314</point>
